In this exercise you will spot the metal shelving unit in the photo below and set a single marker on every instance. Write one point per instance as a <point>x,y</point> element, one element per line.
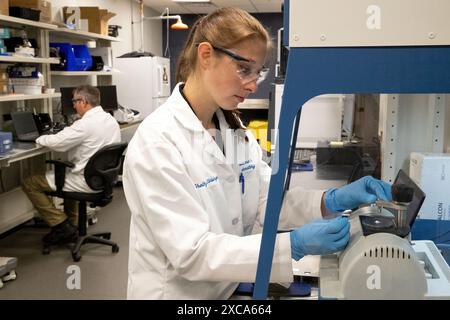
<point>9,21</point>
<point>13,202</point>
<point>82,73</point>
<point>23,97</point>
<point>83,35</point>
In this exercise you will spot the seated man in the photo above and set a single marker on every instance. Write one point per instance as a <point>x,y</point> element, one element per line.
<point>81,140</point>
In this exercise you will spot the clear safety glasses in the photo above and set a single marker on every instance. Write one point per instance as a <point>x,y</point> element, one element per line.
<point>247,70</point>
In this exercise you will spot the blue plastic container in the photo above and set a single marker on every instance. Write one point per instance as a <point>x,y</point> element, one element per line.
<point>437,231</point>
<point>77,57</point>
<point>5,142</point>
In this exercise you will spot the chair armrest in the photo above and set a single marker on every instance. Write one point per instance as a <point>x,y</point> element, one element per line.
<point>60,172</point>
<point>61,163</point>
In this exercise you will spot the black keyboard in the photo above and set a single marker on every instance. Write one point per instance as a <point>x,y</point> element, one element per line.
<point>303,155</point>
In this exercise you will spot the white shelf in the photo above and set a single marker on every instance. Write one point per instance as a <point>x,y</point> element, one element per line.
<point>14,59</point>
<point>84,35</point>
<point>22,97</point>
<point>82,73</point>
<point>13,21</point>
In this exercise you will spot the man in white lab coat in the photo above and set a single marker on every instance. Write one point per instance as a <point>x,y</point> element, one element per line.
<point>81,140</point>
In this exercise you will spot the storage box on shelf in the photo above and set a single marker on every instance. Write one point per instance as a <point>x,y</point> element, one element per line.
<point>102,49</point>
<point>77,57</point>
<point>4,7</point>
<point>44,7</point>
<point>96,18</point>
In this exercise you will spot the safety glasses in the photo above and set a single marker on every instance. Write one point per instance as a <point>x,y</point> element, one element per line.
<point>76,100</point>
<point>247,70</point>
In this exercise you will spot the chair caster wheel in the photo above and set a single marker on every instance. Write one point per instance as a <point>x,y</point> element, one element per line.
<point>76,257</point>
<point>10,276</point>
<point>46,250</point>
<point>115,248</point>
<point>92,221</point>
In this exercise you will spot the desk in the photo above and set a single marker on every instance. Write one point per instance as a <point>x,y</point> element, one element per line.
<point>15,208</point>
<point>127,130</point>
<point>21,151</point>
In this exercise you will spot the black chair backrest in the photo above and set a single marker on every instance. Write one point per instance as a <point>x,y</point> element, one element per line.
<point>103,167</point>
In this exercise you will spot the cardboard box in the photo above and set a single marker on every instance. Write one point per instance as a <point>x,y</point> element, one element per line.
<point>44,6</point>
<point>4,7</point>
<point>431,172</point>
<point>97,18</point>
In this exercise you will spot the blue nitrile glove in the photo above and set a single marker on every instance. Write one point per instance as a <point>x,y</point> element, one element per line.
<point>320,237</point>
<point>365,190</point>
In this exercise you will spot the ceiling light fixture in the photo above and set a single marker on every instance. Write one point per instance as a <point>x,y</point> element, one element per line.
<point>179,25</point>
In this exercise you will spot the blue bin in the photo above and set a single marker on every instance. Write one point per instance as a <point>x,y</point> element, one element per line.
<point>437,231</point>
<point>5,142</point>
<point>77,57</point>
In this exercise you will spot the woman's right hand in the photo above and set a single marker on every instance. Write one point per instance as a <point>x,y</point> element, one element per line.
<point>320,237</point>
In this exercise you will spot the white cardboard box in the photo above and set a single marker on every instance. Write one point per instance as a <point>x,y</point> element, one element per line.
<point>431,172</point>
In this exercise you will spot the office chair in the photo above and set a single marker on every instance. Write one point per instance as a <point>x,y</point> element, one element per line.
<point>101,173</point>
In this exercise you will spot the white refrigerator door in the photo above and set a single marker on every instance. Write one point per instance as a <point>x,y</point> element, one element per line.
<point>135,83</point>
<point>161,75</point>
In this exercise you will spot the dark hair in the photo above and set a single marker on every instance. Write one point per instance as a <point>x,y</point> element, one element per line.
<point>89,93</point>
<point>225,27</point>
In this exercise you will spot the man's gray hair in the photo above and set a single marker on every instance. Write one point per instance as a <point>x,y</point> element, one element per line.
<point>89,93</point>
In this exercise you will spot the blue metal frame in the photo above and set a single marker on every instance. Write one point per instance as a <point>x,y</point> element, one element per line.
<point>315,71</point>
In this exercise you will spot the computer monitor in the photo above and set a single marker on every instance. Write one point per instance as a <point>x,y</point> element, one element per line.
<point>108,99</point>
<point>25,126</point>
<point>66,101</point>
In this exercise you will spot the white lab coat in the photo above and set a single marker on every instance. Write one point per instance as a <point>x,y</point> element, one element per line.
<point>191,225</point>
<point>81,140</point>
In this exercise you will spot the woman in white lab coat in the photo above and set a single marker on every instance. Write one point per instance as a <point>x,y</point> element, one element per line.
<point>196,184</point>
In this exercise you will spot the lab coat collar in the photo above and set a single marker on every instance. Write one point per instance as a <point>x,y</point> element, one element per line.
<point>187,118</point>
<point>182,112</point>
<point>92,111</point>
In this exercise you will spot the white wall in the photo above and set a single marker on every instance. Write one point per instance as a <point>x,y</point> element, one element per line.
<point>126,11</point>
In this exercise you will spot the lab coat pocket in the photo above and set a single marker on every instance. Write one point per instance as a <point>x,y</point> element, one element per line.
<point>250,197</point>
<point>219,201</point>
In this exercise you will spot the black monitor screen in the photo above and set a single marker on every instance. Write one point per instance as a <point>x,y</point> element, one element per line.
<point>108,99</point>
<point>66,101</point>
<point>23,122</point>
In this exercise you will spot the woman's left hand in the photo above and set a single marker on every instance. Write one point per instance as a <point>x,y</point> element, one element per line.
<point>365,190</point>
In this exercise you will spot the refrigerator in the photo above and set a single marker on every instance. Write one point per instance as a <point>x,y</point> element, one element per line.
<point>143,83</point>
